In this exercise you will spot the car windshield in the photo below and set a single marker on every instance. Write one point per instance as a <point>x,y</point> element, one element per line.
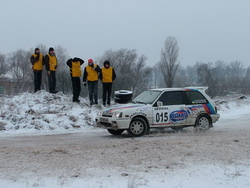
<point>147,97</point>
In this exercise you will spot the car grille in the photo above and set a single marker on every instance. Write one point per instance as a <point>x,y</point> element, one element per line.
<point>107,114</point>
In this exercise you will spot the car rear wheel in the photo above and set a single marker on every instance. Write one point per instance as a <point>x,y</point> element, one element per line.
<point>203,123</point>
<point>115,132</point>
<point>137,127</point>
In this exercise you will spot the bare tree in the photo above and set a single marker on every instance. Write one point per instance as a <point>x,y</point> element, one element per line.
<point>219,84</point>
<point>131,71</point>
<point>246,81</point>
<point>19,70</point>
<point>3,66</point>
<point>169,60</point>
<point>62,73</point>
<point>142,75</point>
<point>236,74</point>
<point>181,78</point>
<point>204,73</point>
<point>19,65</point>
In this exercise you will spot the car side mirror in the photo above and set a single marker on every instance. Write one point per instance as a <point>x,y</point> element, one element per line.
<point>159,103</point>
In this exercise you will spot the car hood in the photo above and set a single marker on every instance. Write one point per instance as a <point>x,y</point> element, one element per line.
<point>122,107</point>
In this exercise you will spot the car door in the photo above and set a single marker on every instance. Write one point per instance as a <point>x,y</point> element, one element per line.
<point>171,110</point>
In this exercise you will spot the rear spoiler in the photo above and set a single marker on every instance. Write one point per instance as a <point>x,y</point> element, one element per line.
<point>203,88</point>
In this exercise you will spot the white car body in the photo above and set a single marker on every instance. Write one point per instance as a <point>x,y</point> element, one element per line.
<point>157,115</point>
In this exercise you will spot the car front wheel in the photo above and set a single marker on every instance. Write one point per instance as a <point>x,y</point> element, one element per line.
<point>203,123</point>
<point>137,127</point>
<point>115,132</point>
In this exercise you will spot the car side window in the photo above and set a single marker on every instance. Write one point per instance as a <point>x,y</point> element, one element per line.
<point>195,97</point>
<point>172,98</point>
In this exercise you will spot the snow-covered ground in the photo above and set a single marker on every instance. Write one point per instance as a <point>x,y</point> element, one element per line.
<point>48,141</point>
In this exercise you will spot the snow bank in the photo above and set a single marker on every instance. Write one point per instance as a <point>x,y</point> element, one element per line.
<point>43,111</point>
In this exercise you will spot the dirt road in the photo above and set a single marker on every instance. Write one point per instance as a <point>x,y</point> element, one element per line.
<point>87,154</point>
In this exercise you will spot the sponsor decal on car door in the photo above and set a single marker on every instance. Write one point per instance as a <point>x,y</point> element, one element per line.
<point>168,115</point>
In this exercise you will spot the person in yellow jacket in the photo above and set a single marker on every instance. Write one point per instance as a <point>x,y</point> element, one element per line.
<point>107,76</point>
<point>50,62</point>
<point>90,75</point>
<point>37,65</point>
<point>75,73</point>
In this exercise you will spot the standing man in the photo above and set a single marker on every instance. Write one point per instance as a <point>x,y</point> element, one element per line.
<point>50,62</point>
<point>91,76</point>
<point>37,65</point>
<point>107,76</point>
<point>75,73</point>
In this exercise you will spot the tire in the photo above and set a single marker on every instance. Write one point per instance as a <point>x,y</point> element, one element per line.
<point>123,96</point>
<point>115,132</point>
<point>137,127</point>
<point>203,123</point>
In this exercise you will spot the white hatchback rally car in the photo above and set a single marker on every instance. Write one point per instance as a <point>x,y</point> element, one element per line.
<point>160,108</point>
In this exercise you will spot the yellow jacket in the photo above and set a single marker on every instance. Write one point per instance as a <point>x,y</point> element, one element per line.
<point>37,64</point>
<point>76,69</point>
<point>107,75</point>
<point>90,73</point>
<point>50,62</point>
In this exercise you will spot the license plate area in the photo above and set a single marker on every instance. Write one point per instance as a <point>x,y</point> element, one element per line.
<point>104,120</point>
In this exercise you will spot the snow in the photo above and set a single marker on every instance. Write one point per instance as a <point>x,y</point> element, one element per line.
<point>43,113</point>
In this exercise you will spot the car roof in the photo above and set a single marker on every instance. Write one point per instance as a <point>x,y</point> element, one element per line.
<point>202,88</point>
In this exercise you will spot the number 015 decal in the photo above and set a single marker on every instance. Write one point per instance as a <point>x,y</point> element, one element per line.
<point>161,117</point>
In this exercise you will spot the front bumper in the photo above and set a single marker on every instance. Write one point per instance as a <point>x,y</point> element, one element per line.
<point>112,123</point>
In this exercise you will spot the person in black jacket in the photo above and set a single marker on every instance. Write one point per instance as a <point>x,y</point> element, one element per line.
<point>50,62</point>
<point>75,73</point>
<point>107,76</point>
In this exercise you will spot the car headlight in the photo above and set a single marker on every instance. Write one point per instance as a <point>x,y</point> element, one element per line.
<point>117,114</point>
<point>99,113</point>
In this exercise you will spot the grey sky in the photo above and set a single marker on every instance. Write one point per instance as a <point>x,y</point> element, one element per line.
<point>206,30</point>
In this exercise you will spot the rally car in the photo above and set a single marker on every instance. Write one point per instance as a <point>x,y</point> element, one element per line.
<point>175,108</point>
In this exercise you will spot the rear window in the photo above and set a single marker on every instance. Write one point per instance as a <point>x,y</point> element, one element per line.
<point>195,97</point>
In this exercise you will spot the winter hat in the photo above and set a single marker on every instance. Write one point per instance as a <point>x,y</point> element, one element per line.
<point>36,49</point>
<point>90,61</point>
<point>106,63</point>
<point>51,49</point>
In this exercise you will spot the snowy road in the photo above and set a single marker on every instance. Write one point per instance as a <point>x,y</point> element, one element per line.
<point>94,158</point>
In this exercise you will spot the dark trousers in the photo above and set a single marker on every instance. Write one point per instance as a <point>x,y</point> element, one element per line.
<point>93,88</point>
<point>37,80</point>
<point>106,88</point>
<point>76,85</point>
<point>52,81</point>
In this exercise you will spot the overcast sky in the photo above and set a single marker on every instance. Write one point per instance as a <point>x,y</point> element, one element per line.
<point>206,30</point>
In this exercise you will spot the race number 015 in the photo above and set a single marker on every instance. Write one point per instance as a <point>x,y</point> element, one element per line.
<point>163,116</point>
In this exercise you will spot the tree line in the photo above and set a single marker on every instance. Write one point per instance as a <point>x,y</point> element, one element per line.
<point>132,71</point>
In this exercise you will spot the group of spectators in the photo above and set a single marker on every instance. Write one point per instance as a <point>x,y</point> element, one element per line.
<point>92,73</point>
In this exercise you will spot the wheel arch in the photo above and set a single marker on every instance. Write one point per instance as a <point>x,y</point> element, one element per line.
<point>132,130</point>
<point>142,117</point>
<point>207,115</point>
